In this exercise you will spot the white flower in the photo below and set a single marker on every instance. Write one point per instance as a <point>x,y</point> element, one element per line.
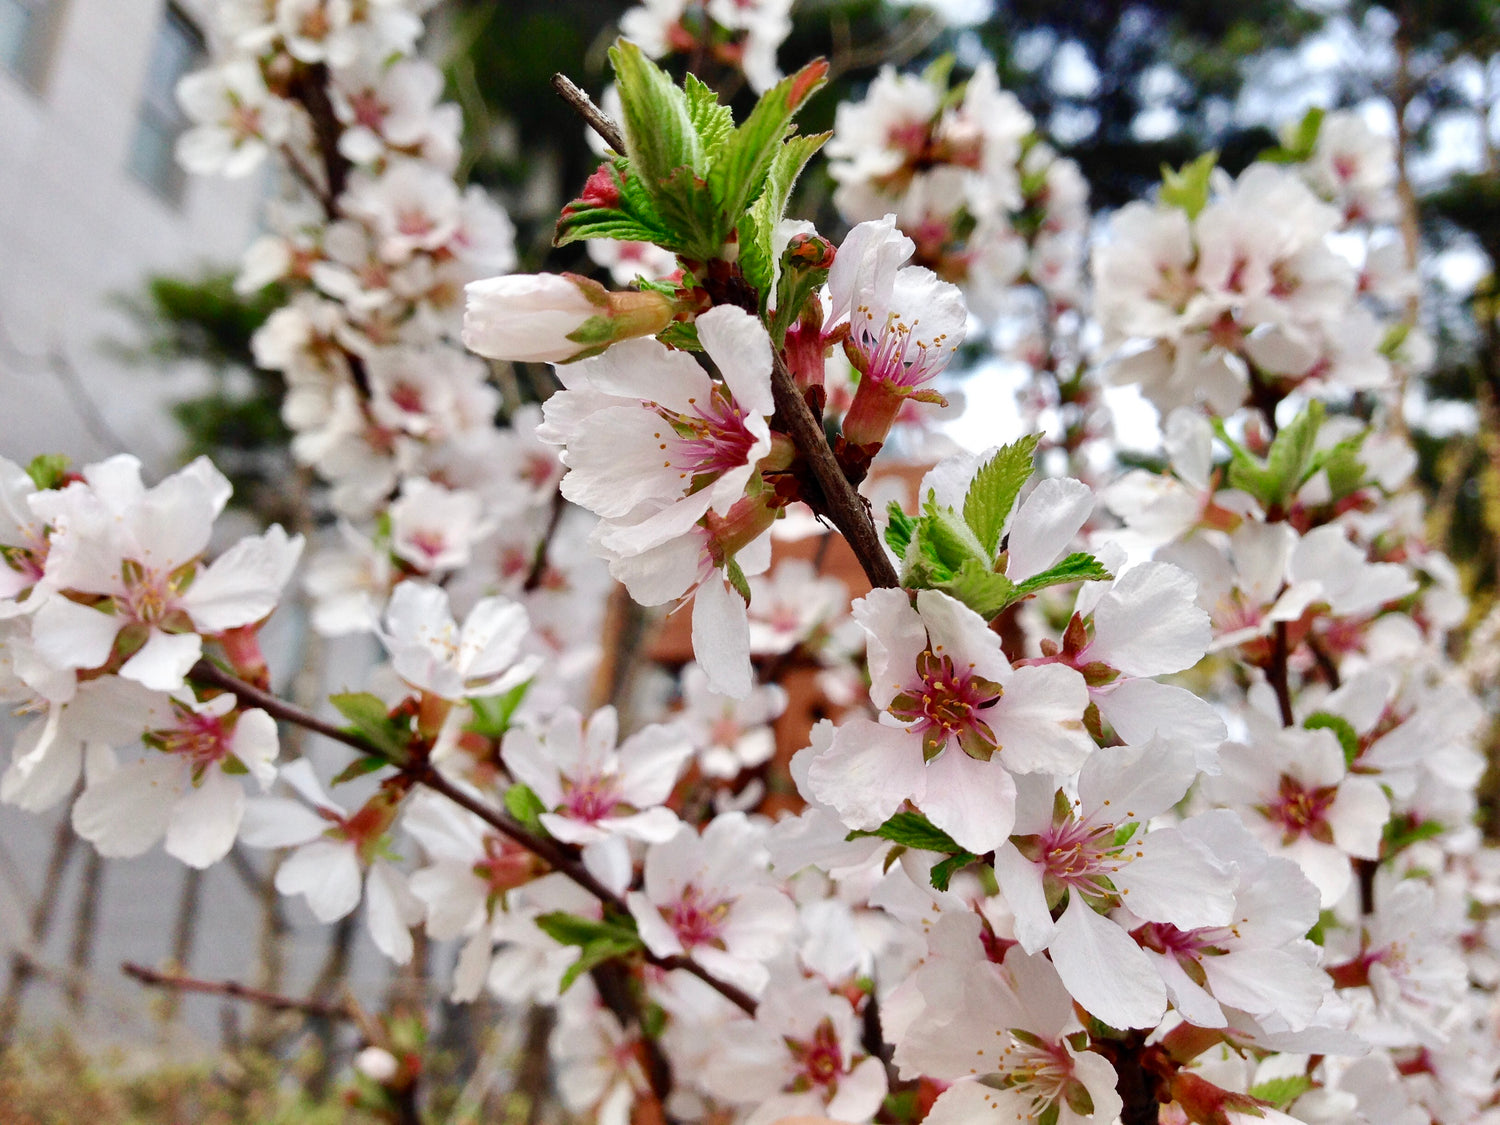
<point>958,722</point>
<point>800,1055</point>
<point>432,653</point>
<point>1009,1041</point>
<point>593,789</point>
<point>710,897</point>
<point>236,119</point>
<point>185,786</point>
<point>730,735</point>
<point>338,858</point>
<point>138,551</point>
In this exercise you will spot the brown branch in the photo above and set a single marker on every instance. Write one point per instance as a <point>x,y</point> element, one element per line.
<point>843,505</point>
<point>318,1009</point>
<point>593,116</point>
<point>538,569</point>
<point>1326,664</point>
<point>1277,673</point>
<point>422,772</point>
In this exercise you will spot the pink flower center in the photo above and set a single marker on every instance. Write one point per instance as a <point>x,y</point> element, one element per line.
<point>1080,855</point>
<point>1301,811</point>
<point>697,919</point>
<point>820,1060</point>
<point>1037,1068</point>
<point>202,740</point>
<point>413,222</point>
<point>894,353</point>
<point>711,441</point>
<point>369,110</point>
<point>429,542</point>
<point>944,703</point>
<point>149,597</point>
<point>591,799</point>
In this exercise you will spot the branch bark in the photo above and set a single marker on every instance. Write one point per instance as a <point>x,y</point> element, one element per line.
<point>422,772</point>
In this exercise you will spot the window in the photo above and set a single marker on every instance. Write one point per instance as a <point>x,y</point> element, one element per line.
<point>178,49</point>
<point>26,28</point>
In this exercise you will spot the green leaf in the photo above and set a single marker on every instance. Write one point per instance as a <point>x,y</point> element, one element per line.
<point>571,929</point>
<point>680,334</point>
<point>367,763</point>
<point>942,873</point>
<point>492,713</point>
<point>1188,187</point>
<point>47,470</point>
<point>980,588</point>
<point>598,942</point>
<point>1289,461</point>
<point>899,528</point>
<point>912,830</point>
<point>951,536</point>
<point>1290,455</point>
<point>711,121</point>
<point>606,222</point>
<point>522,803</point>
<point>737,579</point>
<point>1342,729</point>
<point>741,164</point>
<point>1346,472</point>
<point>1300,145</point>
<point>757,230</point>
<point>658,127</point>
<point>1282,1092</point>
<point>369,718</point>
<point>993,491</point>
<point>1077,567</point>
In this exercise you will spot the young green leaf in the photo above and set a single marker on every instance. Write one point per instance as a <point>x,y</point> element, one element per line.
<point>980,588</point>
<point>659,133</point>
<point>369,718</point>
<point>1188,186</point>
<point>523,804</point>
<point>899,528</point>
<point>912,830</point>
<point>491,714</point>
<point>1078,567</point>
<point>47,470</point>
<point>1342,729</point>
<point>993,491</point>
<point>712,122</point>
<point>741,164</point>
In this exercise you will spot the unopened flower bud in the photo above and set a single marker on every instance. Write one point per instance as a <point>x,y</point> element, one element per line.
<point>555,318</point>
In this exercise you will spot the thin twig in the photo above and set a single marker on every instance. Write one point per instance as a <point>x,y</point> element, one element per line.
<point>1278,675</point>
<point>843,505</point>
<point>206,672</point>
<point>235,990</point>
<point>595,117</point>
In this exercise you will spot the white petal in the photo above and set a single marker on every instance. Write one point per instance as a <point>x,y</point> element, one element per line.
<point>243,584</point>
<point>1105,970</point>
<point>390,911</point>
<point>1045,524</point>
<point>128,812</point>
<point>205,820</point>
<point>163,661</point>
<point>1149,622</point>
<point>326,873</point>
<point>721,638</point>
<point>972,801</point>
<point>739,346</point>
<point>867,772</point>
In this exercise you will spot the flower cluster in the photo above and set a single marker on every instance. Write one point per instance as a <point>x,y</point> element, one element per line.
<point>1153,801</point>
<point>109,600</point>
